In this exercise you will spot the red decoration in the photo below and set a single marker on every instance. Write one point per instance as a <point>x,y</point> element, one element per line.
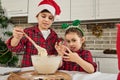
<point>118,44</point>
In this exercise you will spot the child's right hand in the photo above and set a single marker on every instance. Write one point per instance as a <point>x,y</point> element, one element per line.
<point>70,56</point>
<point>18,33</point>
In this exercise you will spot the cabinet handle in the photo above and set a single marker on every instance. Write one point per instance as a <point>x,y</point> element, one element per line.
<point>98,8</point>
<point>94,8</point>
<point>15,10</point>
<point>98,64</point>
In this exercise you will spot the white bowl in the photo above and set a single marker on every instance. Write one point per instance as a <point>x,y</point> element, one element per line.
<point>46,64</point>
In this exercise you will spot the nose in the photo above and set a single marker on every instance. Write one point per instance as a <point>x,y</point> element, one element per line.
<point>70,43</point>
<point>46,19</point>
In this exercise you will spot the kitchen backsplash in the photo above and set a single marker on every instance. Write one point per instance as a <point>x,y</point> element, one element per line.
<point>106,41</point>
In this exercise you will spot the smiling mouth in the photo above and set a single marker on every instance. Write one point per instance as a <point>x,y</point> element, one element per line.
<point>45,24</point>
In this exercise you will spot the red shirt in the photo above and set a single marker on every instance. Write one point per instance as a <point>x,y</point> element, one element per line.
<point>29,49</point>
<point>71,66</point>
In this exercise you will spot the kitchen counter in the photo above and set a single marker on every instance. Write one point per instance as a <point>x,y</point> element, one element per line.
<point>100,54</point>
<point>78,75</point>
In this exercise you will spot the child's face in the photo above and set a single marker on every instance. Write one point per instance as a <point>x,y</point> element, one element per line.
<point>73,41</point>
<point>45,20</point>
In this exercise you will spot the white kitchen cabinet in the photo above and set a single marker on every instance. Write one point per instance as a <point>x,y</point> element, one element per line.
<point>95,9</point>
<point>65,10</point>
<point>107,9</point>
<point>15,8</point>
<point>33,4</point>
<point>82,9</point>
<point>107,65</point>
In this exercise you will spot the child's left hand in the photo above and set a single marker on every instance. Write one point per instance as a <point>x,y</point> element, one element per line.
<point>70,56</point>
<point>60,48</point>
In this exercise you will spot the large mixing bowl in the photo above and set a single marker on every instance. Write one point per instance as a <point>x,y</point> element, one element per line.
<point>46,64</point>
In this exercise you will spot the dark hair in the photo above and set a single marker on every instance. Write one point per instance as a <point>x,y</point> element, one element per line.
<point>44,10</point>
<point>77,31</point>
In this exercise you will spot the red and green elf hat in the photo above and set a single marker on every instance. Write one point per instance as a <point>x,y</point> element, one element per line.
<point>49,5</point>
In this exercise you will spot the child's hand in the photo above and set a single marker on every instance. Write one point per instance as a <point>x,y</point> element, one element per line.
<point>18,33</point>
<point>70,56</point>
<point>60,48</point>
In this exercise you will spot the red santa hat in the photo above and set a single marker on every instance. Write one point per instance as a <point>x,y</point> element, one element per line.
<point>49,5</point>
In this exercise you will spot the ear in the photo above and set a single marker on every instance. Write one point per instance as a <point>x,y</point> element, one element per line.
<point>83,39</point>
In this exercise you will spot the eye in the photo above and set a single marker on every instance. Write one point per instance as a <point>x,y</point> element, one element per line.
<point>43,16</point>
<point>51,18</point>
<point>73,40</point>
<point>67,41</point>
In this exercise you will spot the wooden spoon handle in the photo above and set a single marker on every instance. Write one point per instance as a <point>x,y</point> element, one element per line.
<point>30,40</point>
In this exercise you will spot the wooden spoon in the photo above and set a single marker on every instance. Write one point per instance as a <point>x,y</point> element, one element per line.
<point>41,51</point>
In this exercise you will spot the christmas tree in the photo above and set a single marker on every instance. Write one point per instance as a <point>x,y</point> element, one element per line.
<point>6,56</point>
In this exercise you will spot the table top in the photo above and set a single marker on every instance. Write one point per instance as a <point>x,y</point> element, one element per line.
<point>77,75</point>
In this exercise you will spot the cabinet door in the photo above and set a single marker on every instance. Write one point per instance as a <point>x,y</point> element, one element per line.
<point>82,9</point>
<point>107,9</point>
<point>64,5</point>
<point>107,65</point>
<point>15,8</point>
<point>65,10</point>
<point>33,4</point>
